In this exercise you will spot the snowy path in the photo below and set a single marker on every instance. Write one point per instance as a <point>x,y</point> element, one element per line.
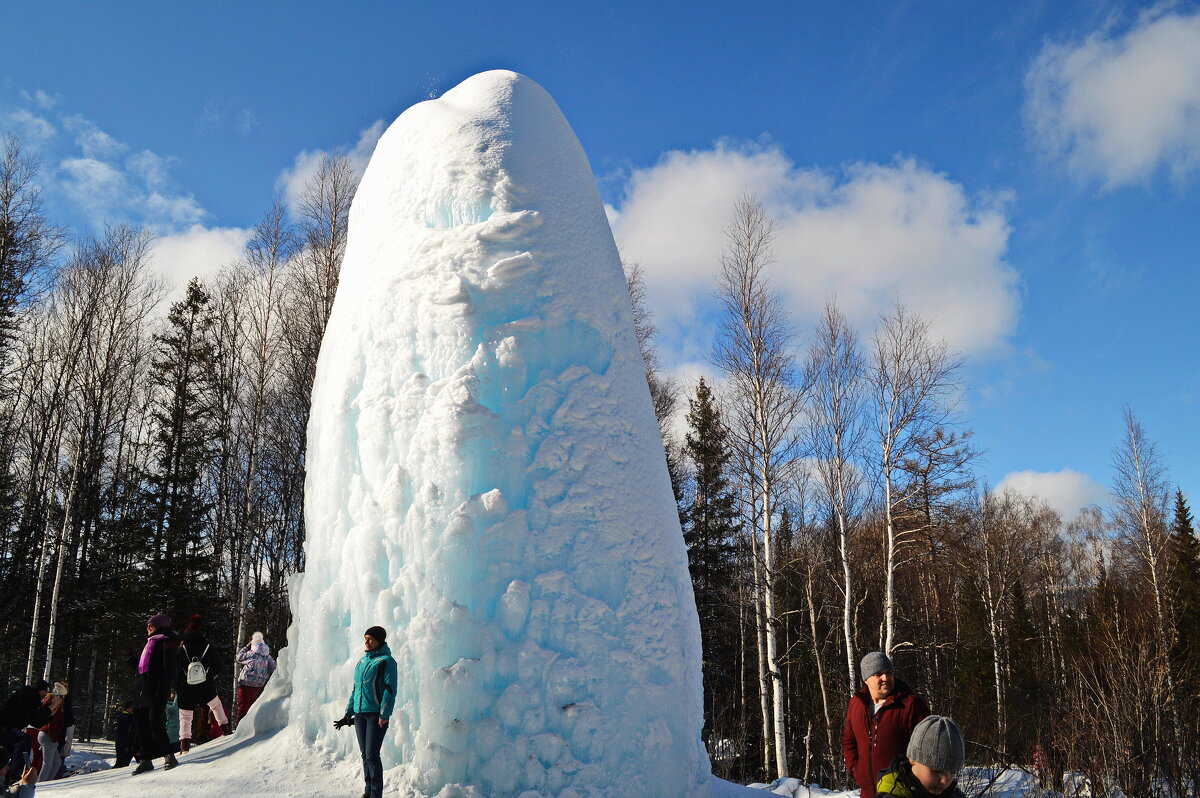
<point>253,767</point>
<point>227,767</point>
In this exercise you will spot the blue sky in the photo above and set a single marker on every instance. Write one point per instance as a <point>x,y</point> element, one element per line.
<point>1024,173</point>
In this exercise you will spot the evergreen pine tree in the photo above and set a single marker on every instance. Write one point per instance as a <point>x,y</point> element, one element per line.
<point>182,417</point>
<point>710,524</point>
<point>1025,694</point>
<point>1184,581</point>
<point>974,676</point>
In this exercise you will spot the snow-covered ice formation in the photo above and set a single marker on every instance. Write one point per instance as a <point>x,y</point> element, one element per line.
<point>485,477</point>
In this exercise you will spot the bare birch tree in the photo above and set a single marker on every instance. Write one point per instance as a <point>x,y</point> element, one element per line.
<point>836,373</point>
<point>1142,495</point>
<point>911,378</point>
<point>261,283</point>
<point>754,351</point>
<point>107,296</point>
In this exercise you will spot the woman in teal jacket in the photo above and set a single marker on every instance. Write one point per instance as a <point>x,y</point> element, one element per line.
<point>370,707</point>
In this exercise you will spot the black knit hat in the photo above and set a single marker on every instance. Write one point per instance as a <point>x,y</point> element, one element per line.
<point>378,633</point>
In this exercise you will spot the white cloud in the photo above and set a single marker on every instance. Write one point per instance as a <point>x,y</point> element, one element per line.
<point>1118,106</point>
<point>33,129</point>
<point>873,234</point>
<point>197,252</point>
<point>167,211</point>
<point>95,186</point>
<point>109,186</point>
<point>1066,491</point>
<point>94,142</point>
<point>291,181</point>
<point>135,191</point>
<point>40,98</point>
<point>151,168</point>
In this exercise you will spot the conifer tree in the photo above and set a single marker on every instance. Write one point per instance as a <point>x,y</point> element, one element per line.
<point>1026,699</point>
<point>710,524</point>
<point>1185,580</point>
<point>182,418</point>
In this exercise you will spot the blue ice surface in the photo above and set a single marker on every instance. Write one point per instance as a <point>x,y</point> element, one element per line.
<point>457,212</point>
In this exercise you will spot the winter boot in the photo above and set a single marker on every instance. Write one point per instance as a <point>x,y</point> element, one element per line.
<point>227,729</point>
<point>171,762</point>
<point>185,744</point>
<point>144,766</point>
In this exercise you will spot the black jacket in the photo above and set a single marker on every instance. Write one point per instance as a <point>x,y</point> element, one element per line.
<point>125,731</point>
<point>24,708</point>
<point>193,646</point>
<point>154,686</point>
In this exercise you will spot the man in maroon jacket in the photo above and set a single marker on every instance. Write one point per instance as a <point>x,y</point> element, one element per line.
<point>879,721</point>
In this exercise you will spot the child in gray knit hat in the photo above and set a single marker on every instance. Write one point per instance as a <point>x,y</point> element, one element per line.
<point>936,752</point>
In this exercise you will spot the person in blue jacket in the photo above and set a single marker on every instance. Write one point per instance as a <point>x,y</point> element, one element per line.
<point>370,707</point>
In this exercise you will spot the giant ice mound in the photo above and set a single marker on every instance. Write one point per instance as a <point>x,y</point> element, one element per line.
<point>485,476</point>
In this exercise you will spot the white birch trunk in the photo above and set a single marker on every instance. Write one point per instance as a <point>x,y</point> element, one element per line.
<point>1152,547</point>
<point>812,625</point>
<point>64,540</point>
<point>35,627</point>
<point>994,624</point>
<point>777,698</point>
<point>760,646</point>
<point>889,590</point>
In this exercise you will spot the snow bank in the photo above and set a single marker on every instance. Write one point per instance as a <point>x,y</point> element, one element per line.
<point>794,788</point>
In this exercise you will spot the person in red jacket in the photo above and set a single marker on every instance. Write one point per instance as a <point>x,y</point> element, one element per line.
<point>879,721</point>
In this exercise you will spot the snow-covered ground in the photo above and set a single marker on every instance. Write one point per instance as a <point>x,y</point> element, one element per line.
<point>280,766</point>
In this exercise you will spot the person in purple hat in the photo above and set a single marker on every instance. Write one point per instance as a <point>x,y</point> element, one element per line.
<point>155,668</point>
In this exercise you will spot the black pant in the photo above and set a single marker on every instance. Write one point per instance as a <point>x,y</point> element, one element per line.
<point>152,730</point>
<point>123,757</point>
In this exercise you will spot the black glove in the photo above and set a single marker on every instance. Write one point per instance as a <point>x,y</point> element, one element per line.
<point>345,721</point>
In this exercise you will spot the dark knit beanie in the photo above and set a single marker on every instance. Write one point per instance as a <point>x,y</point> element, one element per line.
<point>873,663</point>
<point>937,743</point>
<point>159,621</point>
<point>41,684</point>
<point>377,633</point>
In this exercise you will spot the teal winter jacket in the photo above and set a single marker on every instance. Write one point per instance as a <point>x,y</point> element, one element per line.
<point>374,684</point>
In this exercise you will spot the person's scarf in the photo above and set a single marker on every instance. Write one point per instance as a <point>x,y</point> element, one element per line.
<point>144,662</point>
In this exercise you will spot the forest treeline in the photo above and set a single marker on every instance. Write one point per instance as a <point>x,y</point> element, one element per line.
<point>152,452</point>
<point>831,505</point>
